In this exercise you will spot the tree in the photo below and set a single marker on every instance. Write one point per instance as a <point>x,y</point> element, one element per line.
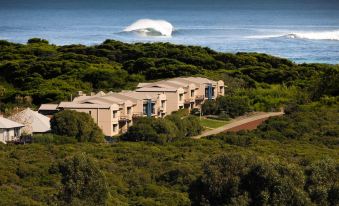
<point>209,107</point>
<point>235,179</point>
<point>233,105</point>
<point>37,40</point>
<point>82,182</point>
<point>76,124</point>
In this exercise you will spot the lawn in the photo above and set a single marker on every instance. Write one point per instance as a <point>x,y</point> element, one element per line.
<point>212,123</point>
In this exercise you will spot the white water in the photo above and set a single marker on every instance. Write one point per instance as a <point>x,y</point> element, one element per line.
<point>323,35</point>
<point>150,27</point>
<point>314,35</point>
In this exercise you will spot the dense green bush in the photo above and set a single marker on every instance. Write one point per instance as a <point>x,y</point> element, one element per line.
<point>235,179</point>
<point>76,124</point>
<point>315,123</point>
<point>82,182</point>
<point>229,105</point>
<point>50,73</point>
<point>163,130</point>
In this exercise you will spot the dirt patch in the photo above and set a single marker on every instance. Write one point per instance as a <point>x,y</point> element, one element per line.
<point>248,126</point>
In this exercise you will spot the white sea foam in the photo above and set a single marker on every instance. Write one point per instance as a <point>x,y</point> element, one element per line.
<point>317,35</point>
<point>323,35</point>
<point>150,27</point>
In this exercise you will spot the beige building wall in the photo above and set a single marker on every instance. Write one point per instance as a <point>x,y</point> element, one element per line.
<point>106,118</point>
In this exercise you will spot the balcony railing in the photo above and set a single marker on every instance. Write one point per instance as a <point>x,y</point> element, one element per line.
<point>123,118</point>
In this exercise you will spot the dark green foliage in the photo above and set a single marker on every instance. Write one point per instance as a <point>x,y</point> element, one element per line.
<point>82,182</point>
<point>315,123</point>
<point>323,182</point>
<point>76,124</point>
<point>239,180</point>
<point>229,105</point>
<point>159,130</point>
<point>246,168</point>
<point>37,40</point>
<point>50,73</point>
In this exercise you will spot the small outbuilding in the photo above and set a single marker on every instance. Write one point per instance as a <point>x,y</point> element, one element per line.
<point>33,121</point>
<point>10,131</point>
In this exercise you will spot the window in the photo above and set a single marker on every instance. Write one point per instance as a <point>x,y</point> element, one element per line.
<point>180,97</point>
<point>192,93</point>
<point>90,112</point>
<point>144,108</point>
<point>206,92</point>
<point>115,127</point>
<point>129,110</point>
<point>181,107</point>
<point>162,104</point>
<point>16,132</point>
<point>115,114</point>
<point>153,108</point>
<point>213,89</point>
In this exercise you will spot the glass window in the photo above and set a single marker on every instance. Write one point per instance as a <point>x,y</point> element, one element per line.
<point>153,108</point>
<point>180,97</point>
<point>129,110</point>
<point>115,127</point>
<point>192,93</point>
<point>115,114</point>
<point>145,109</point>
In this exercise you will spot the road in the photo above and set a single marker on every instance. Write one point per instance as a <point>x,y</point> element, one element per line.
<point>239,121</point>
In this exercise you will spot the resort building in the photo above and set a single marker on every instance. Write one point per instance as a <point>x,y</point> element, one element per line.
<point>193,91</point>
<point>147,105</point>
<point>107,116</point>
<point>10,131</point>
<point>115,112</point>
<point>175,96</point>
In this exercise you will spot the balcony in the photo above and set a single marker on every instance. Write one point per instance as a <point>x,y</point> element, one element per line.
<point>138,114</point>
<point>199,97</point>
<point>123,118</point>
<point>189,101</point>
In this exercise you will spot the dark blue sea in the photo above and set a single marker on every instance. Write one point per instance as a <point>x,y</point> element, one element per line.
<point>303,31</point>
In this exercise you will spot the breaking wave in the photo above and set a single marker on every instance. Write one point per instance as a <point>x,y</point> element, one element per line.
<point>150,27</point>
<point>320,35</point>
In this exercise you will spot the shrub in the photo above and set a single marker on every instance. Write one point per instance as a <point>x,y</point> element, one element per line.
<point>163,130</point>
<point>235,179</point>
<point>82,182</point>
<point>76,124</point>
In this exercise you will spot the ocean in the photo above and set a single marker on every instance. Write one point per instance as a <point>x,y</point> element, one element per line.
<point>303,31</point>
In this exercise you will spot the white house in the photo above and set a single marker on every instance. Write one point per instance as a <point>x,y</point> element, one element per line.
<point>9,130</point>
<point>33,121</point>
